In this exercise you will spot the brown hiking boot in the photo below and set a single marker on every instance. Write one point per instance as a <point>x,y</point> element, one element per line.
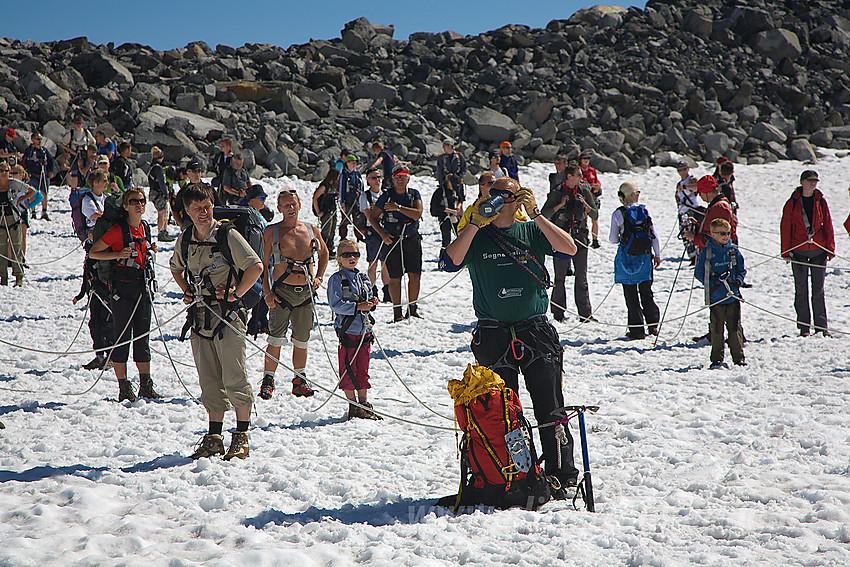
<point>209,445</point>
<point>238,446</point>
<point>368,413</point>
<point>125,391</point>
<point>300,387</point>
<point>146,389</point>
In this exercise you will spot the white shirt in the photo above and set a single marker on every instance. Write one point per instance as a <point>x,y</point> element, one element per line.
<point>91,206</point>
<point>364,202</point>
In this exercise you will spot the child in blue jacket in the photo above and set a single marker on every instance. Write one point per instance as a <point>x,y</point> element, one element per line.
<point>351,299</point>
<point>720,268</point>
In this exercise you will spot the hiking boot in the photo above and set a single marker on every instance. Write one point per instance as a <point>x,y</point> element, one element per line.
<point>125,391</point>
<point>653,330</point>
<point>44,216</point>
<point>368,413</point>
<point>238,446</point>
<point>398,314</point>
<point>716,365</point>
<point>804,332</point>
<point>704,337</point>
<point>209,445</point>
<point>300,387</point>
<point>588,319</point>
<point>413,311</point>
<point>267,389</point>
<point>19,281</point>
<point>595,243</point>
<point>741,362</point>
<point>146,389</point>
<point>746,285</point>
<point>163,236</point>
<point>825,333</point>
<point>634,337</point>
<point>354,411</point>
<point>94,364</point>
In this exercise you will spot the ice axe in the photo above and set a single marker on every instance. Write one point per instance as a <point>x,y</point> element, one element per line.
<point>585,485</point>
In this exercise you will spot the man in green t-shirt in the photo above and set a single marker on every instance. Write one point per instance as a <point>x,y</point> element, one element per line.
<point>509,282</point>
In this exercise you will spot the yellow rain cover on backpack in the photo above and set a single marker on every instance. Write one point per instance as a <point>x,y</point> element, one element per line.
<point>477,380</point>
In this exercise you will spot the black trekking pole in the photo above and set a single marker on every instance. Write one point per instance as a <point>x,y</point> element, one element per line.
<point>669,297</point>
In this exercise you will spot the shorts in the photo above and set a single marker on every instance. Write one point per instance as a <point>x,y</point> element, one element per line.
<point>374,250</point>
<point>404,257</point>
<point>296,306</point>
<point>159,200</point>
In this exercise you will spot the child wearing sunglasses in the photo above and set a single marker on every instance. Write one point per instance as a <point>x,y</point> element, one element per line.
<point>720,268</point>
<point>351,299</point>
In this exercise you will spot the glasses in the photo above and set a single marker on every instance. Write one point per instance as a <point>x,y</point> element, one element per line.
<point>506,194</point>
<point>261,197</point>
<point>350,255</point>
<point>374,177</point>
<point>812,180</point>
<point>35,138</point>
<point>133,202</point>
<point>724,233</point>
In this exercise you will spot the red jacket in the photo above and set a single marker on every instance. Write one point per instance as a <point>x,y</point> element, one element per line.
<point>793,228</point>
<point>589,175</point>
<point>719,208</point>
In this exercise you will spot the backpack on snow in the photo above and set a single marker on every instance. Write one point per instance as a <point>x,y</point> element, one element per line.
<point>637,231</point>
<point>499,464</point>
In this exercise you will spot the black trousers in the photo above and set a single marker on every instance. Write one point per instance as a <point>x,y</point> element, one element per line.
<point>100,317</point>
<point>801,288</point>
<point>122,301</point>
<point>448,229</point>
<point>540,364</point>
<point>640,305</point>
<point>581,289</point>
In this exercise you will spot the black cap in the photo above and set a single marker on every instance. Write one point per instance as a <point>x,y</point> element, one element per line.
<point>808,174</point>
<point>193,165</point>
<point>494,154</point>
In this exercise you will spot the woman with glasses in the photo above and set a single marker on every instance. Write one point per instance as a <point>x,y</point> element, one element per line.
<point>128,244</point>
<point>19,187</point>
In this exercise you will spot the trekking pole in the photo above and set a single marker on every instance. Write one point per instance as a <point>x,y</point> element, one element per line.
<point>669,297</point>
<point>585,485</point>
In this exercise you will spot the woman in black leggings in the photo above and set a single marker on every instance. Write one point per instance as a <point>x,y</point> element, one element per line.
<point>128,245</point>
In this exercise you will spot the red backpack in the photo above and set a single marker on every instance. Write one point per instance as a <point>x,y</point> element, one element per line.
<point>499,464</point>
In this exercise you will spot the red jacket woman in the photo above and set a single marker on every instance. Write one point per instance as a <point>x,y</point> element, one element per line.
<point>795,231</point>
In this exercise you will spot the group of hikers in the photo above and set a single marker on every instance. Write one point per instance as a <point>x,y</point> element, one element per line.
<point>237,282</point>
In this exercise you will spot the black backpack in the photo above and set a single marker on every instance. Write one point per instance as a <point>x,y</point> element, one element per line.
<point>637,234</point>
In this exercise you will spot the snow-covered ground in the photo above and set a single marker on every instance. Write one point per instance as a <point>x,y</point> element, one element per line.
<point>741,466</point>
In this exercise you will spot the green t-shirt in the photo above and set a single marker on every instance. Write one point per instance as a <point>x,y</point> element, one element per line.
<point>501,290</point>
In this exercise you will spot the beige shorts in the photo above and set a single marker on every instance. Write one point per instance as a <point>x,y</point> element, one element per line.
<point>296,306</point>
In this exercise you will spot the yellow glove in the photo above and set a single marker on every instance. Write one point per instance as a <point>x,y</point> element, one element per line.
<point>477,218</point>
<point>526,198</point>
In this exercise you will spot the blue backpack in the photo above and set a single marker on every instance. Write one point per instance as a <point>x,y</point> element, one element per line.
<point>636,237</point>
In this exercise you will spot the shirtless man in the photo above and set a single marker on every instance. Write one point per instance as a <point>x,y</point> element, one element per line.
<point>289,246</point>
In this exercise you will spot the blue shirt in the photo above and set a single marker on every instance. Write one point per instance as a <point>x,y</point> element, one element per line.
<point>724,280</point>
<point>394,222</point>
<point>106,148</point>
<point>510,164</point>
<point>344,302</point>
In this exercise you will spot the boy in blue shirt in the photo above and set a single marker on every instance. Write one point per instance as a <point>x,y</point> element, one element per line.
<point>720,268</point>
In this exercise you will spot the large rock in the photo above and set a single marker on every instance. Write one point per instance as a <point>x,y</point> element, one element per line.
<point>698,23</point>
<point>490,125</point>
<point>374,91</point>
<point>604,164</point>
<point>718,143</point>
<point>54,108</point>
<point>778,44</point>
<point>768,133</point>
<point>69,79</point>
<point>610,142</point>
<point>297,109</point>
<point>190,102</point>
<point>284,158</point>
<point>802,150</point>
<point>330,75</point>
<point>40,84</point>
<point>99,70</point>
<point>204,127</point>
<point>171,147</point>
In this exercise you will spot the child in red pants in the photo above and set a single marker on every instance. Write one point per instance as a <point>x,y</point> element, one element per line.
<point>351,299</point>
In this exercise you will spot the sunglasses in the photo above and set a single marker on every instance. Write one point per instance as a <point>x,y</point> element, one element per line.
<point>724,233</point>
<point>374,177</point>
<point>133,202</point>
<point>261,197</point>
<point>350,255</point>
<point>506,194</point>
